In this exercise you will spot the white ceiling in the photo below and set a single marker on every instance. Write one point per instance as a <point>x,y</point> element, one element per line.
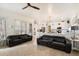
<point>57,8</point>
<point>17,7</point>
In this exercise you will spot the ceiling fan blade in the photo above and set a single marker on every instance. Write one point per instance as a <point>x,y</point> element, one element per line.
<point>25,7</point>
<point>35,7</point>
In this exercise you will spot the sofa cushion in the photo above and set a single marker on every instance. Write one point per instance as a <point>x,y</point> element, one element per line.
<point>59,39</point>
<point>58,45</point>
<point>13,37</point>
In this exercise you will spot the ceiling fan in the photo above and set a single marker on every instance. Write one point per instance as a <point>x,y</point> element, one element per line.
<point>29,5</point>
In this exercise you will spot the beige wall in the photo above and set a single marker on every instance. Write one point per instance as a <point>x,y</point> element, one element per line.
<point>47,13</point>
<point>11,17</point>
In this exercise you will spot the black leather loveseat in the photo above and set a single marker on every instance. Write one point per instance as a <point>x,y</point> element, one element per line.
<point>57,42</point>
<point>13,40</point>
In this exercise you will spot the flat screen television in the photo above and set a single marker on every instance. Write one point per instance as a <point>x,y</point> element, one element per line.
<point>74,27</point>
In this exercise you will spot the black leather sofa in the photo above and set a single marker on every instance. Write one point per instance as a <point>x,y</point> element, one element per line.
<point>57,42</point>
<point>14,40</point>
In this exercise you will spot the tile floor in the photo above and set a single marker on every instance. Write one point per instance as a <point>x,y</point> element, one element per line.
<point>30,49</point>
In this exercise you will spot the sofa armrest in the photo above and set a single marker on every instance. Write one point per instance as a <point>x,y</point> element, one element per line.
<point>68,46</point>
<point>68,41</point>
<point>39,38</point>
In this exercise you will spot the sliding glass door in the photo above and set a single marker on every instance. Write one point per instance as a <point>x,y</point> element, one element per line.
<point>23,28</point>
<point>2,31</point>
<point>20,27</point>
